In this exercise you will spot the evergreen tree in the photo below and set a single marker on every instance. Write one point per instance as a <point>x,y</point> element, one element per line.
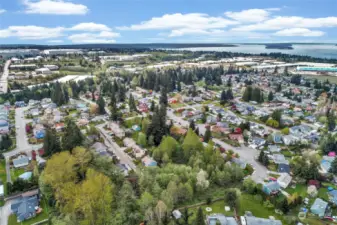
<point>72,136</point>
<point>331,122</point>
<point>163,97</point>
<point>179,86</point>
<point>208,135</point>
<point>132,103</point>
<point>153,106</point>
<point>270,96</point>
<point>197,131</point>
<point>285,206</point>
<point>192,125</point>
<point>200,220</point>
<point>223,98</point>
<point>158,128</point>
<point>229,94</point>
<point>6,142</point>
<point>58,95</point>
<point>247,95</point>
<point>101,105</point>
<point>51,143</point>
<point>279,88</point>
<point>333,168</point>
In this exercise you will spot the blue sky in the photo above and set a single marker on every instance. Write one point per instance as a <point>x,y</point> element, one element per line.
<point>167,21</point>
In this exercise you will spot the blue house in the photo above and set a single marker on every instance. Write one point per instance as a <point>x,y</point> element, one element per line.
<point>148,161</point>
<point>283,168</point>
<point>333,196</point>
<point>271,188</point>
<point>277,138</point>
<point>25,207</point>
<point>40,134</point>
<point>319,207</point>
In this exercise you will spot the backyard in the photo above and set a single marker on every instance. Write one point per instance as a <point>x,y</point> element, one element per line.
<point>15,173</point>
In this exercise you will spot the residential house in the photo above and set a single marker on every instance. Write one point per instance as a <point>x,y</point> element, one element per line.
<point>34,112</point>
<point>148,161</point>
<point>241,163</point>
<point>283,168</point>
<point>211,119</point>
<point>326,164</point>
<point>257,142</point>
<point>274,148</point>
<point>197,99</point>
<point>333,196</point>
<point>26,175</point>
<point>220,218</point>
<point>290,139</point>
<point>137,150</point>
<point>252,220</point>
<point>25,207</point>
<point>176,214</point>
<point>99,147</point>
<point>237,137</point>
<point>312,191</point>
<point>271,188</point>
<point>284,180</point>
<point>82,122</point>
<point>279,159</point>
<point>20,161</point>
<point>319,207</point>
<point>125,168</point>
<point>59,127</point>
<point>277,138</point>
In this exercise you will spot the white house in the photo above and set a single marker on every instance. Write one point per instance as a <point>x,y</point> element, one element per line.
<point>44,71</point>
<point>284,180</point>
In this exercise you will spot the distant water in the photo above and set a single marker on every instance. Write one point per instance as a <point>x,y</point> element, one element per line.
<point>315,50</point>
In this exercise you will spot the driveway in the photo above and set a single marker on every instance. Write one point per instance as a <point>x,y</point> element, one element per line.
<point>5,212</point>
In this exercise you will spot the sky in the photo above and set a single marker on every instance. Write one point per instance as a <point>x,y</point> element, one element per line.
<point>167,21</point>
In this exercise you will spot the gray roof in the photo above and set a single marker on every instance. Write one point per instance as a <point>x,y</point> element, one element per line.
<point>24,208</point>
<point>251,220</point>
<point>222,219</point>
<point>20,161</point>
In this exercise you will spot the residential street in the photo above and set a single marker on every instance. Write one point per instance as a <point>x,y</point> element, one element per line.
<point>4,78</point>
<point>118,151</point>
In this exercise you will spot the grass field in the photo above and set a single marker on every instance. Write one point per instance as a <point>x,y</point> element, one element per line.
<point>3,175</point>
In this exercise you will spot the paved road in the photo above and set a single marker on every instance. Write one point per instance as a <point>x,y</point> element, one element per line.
<point>4,77</point>
<point>5,212</point>
<point>118,151</point>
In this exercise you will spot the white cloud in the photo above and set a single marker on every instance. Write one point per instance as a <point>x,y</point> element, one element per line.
<point>56,7</point>
<point>186,31</point>
<point>2,11</point>
<point>55,41</point>
<point>301,32</point>
<point>286,22</point>
<point>178,20</point>
<point>250,15</point>
<point>31,32</point>
<point>90,27</point>
<point>102,37</point>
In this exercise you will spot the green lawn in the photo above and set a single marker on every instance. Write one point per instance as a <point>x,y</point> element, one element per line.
<point>3,175</point>
<point>177,105</point>
<point>42,216</point>
<point>248,203</point>
<point>300,189</point>
<point>15,173</point>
